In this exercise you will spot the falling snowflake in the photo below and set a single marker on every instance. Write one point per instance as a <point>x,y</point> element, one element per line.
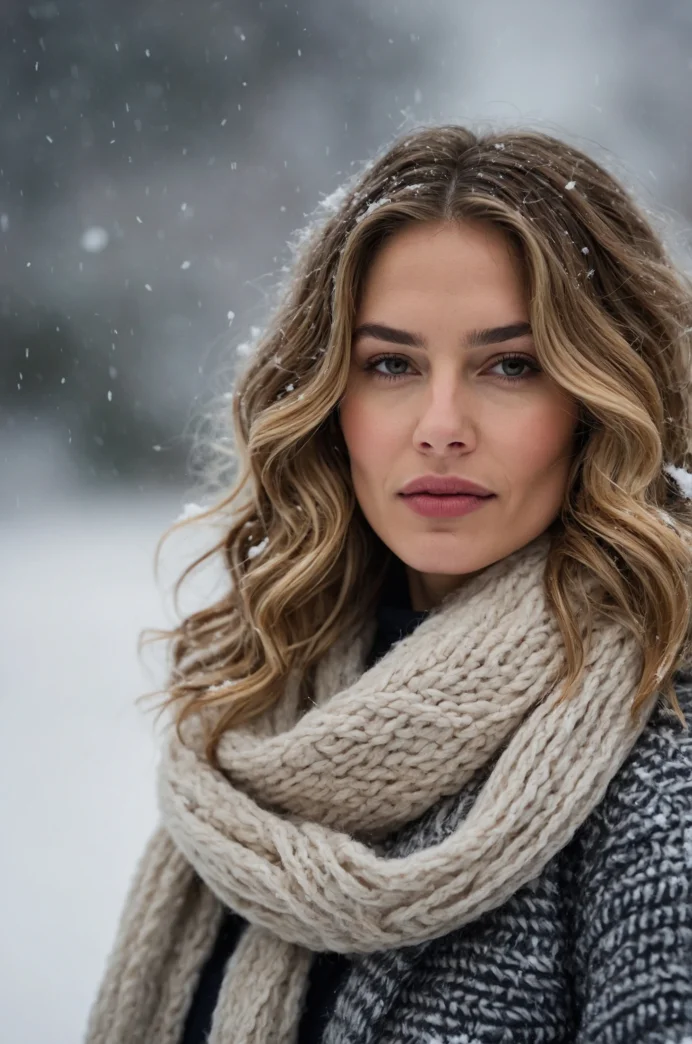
<point>94,240</point>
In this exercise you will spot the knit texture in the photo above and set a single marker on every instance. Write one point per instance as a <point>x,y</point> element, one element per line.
<point>596,950</point>
<point>292,833</point>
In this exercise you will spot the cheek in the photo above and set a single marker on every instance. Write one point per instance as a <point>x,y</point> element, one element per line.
<point>372,434</point>
<point>541,442</point>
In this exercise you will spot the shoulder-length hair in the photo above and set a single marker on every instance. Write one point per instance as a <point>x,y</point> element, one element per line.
<point>612,324</point>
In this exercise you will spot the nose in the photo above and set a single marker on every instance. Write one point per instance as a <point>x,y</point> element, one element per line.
<point>445,422</point>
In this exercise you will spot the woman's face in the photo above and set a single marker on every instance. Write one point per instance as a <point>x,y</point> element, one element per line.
<point>431,392</point>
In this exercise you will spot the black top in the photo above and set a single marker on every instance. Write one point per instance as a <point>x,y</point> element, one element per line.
<point>395,619</point>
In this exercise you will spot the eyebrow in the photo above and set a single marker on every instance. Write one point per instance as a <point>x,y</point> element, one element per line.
<point>474,339</point>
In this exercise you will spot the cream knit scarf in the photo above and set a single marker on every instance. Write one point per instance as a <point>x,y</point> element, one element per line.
<point>287,835</point>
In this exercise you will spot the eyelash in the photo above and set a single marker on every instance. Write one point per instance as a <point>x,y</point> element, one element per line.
<point>372,363</point>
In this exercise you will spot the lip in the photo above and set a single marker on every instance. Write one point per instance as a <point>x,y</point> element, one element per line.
<point>444,485</point>
<point>451,505</point>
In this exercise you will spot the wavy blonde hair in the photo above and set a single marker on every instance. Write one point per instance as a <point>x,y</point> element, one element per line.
<point>612,324</point>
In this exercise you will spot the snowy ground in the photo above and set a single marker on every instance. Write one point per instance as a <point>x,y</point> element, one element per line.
<point>77,758</point>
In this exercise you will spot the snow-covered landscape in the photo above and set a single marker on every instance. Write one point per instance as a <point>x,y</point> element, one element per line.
<point>77,757</point>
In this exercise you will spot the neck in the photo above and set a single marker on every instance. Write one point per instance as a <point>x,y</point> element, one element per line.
<point>427,590</point>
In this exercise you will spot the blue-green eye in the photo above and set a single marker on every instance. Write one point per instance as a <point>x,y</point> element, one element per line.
<point>401,363</point>
<point>520,360</point>
<point>398,360</point>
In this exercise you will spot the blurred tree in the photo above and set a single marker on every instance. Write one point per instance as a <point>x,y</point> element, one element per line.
<point>156,157</point>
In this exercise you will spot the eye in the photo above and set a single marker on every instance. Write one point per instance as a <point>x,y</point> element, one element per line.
<point>395,360</point>
<point>399,364</point>
<point>516,360</point>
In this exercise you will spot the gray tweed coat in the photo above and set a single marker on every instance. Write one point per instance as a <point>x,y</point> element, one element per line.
<point>597,950</point>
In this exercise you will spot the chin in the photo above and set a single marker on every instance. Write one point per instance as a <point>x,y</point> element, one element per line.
<point>446,561</point>
<point>447,568</point>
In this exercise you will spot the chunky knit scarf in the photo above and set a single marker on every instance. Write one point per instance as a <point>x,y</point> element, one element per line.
<point>288,833</point>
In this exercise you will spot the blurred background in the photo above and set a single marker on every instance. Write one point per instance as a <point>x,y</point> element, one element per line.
<point>156,158</point>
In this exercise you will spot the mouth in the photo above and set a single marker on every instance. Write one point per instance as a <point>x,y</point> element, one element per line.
<point>445,505</point>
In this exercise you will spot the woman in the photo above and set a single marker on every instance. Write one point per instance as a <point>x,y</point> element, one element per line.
<point>430,779</point>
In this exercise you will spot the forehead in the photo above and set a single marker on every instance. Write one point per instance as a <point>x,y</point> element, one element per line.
<point>447,265</point>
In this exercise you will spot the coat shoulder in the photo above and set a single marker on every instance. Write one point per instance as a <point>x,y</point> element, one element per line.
<point>657,774</point>
<point>596,950</point>
<point>648,803</point>
<point>627,885</point>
